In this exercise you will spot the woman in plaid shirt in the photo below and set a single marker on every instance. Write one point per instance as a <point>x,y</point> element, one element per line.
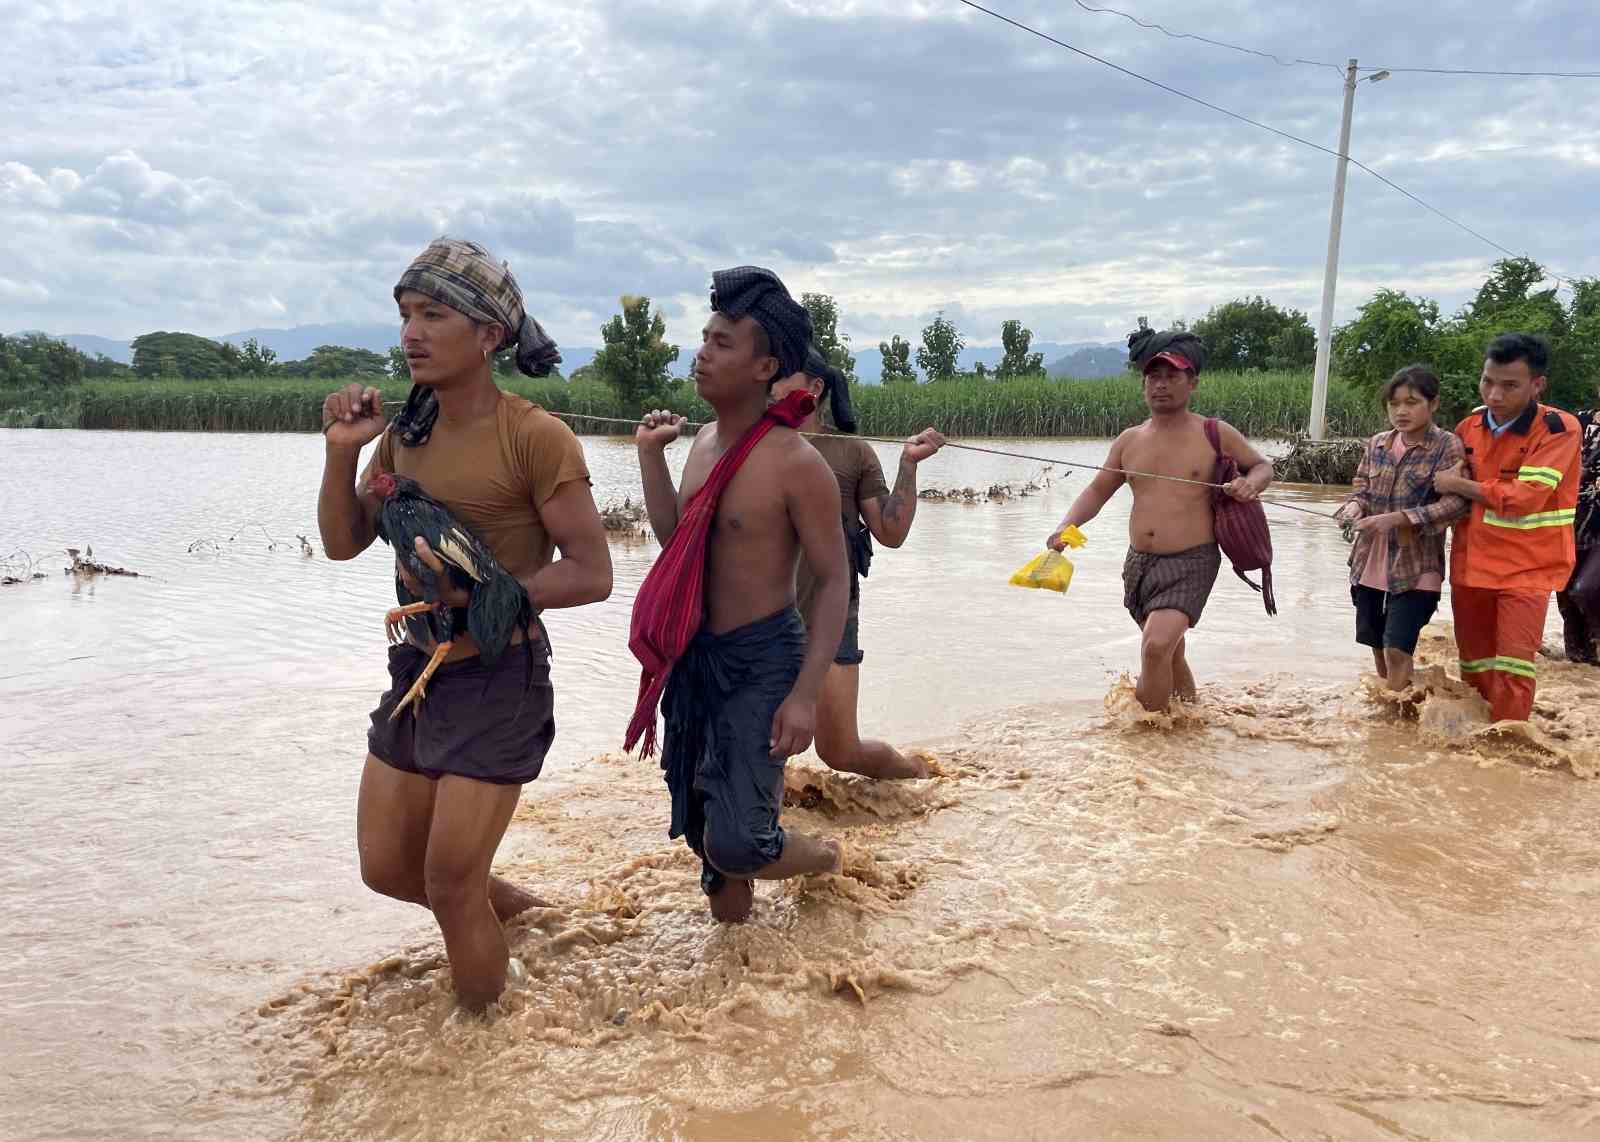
<point>1397,565</point>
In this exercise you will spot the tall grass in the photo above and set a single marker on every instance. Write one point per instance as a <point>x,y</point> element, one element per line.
<point>1258,404</point>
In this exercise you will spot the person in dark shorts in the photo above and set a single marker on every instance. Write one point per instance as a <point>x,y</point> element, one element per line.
<point>1179,582</point>
<point>727,788</point>
<point>442,779</point>
<point>742,695</point>
<point>1399,522</point>
<point>1172,547</point>
<point>868,511</point>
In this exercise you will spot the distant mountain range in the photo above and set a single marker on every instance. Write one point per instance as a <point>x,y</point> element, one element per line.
<point>297,343</point>
<point>1071,359</point>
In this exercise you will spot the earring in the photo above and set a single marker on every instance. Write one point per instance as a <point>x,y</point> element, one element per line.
<point>486,356</point>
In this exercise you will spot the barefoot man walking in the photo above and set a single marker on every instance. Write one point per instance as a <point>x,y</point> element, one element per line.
<point>442,779</point>
<point>741,697</point>
<point>1172,554</point>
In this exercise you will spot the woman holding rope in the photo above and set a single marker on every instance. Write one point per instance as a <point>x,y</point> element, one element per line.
<point>868,510</point>
<point>1399,522</point>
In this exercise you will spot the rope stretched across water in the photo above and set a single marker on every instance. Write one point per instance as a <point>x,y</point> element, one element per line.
<point>963,447</point>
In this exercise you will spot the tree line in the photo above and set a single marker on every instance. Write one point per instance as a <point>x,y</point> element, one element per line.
<point>1244,335</point>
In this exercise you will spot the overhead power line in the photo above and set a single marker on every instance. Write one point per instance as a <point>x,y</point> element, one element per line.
<point>1166,31</point>
<point>1385,179</point>
<point>1282,61</point>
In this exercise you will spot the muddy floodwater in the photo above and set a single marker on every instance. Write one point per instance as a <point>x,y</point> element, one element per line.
<point>1297,912</point>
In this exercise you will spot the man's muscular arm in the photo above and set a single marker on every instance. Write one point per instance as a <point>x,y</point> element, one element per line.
<point>657,430</point>
<point>347,518</point>
<point>811,495</point>
<point>1094,497</point>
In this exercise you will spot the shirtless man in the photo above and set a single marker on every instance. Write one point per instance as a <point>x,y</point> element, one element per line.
<point>743,698</point>
<point>1172,556</point>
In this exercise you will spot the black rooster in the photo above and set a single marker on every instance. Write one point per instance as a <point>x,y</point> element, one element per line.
<point>498,606</point>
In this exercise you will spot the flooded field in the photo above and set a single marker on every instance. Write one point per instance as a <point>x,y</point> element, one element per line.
<point>1299,912</point>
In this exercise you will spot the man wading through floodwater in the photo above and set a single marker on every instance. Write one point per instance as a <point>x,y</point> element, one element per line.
<point>442,779</point>
<point>1172,555</point>
<point>741,679</point>
<point>868,509</point>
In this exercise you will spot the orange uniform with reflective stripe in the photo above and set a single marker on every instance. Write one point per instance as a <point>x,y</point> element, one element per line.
<point>1513,550</point>
<point>1521,538</point>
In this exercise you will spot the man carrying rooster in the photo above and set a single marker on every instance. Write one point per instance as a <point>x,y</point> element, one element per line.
<point>499,485</point>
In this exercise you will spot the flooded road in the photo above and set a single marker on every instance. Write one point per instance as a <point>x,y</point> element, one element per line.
<point>1297,913</point>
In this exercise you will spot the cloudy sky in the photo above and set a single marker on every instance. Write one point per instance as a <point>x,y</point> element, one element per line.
<point>217,165</point>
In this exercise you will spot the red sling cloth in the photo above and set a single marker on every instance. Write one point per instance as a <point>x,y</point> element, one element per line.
<point>670,606</point>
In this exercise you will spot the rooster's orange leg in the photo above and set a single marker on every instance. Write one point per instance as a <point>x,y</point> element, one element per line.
<point>392,620</point>
<point>419,688</point>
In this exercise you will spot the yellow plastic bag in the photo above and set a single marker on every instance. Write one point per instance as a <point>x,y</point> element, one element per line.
<point>1050,570</point>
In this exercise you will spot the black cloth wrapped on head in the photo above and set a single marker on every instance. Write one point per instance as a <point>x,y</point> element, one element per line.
<point>750,291</point>
<point>1145,345</point>
<point>837,388</point>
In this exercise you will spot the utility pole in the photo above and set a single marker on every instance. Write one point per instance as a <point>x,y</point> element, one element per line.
<point>1330,275</point>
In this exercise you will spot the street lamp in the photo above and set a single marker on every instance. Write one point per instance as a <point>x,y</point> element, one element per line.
<point>1330,274</point>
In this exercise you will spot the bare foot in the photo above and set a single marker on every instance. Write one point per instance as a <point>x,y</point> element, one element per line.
<point>733,901</point>
<point>904,767</point>
<point>508,900</point>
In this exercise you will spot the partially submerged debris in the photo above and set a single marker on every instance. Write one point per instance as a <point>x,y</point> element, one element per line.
<point>18,567</point>
<point>994,493</point>
<point>206,546</point>
<point>625,519</point>
<point>83,564</point>
<point>1319,461</point>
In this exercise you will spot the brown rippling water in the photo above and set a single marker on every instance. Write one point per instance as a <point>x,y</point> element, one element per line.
<point>1299,912</point>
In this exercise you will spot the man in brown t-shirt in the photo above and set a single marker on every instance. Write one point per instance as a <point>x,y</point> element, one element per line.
<point>867,510</point>
<point>441,781</point>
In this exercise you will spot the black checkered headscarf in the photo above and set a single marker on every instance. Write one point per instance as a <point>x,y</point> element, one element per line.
<point>754,292</point>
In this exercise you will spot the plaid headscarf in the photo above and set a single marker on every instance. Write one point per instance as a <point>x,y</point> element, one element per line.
<point>758,293</point>
<point>465,277</point>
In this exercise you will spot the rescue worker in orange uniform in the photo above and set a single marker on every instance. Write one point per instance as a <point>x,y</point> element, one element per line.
<point>1516,547</point>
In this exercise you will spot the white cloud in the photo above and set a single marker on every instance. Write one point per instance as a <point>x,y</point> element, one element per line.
<point>213,167</point>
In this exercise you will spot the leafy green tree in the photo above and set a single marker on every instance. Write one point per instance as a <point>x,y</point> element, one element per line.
<point>635,357</point>
<point>1392,330</point>
<point>34,359</point>
<point>1253,333</point>
<point>833,345</point>
<point>1509,284</point>
<point>177,355</point>
<point>399,367</point>
<point>256,360</point>
<point>343,361</point>
<point>940,353</point>
<point>896,354</point>
<point>1018,362</point>
<point>101,367</point>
